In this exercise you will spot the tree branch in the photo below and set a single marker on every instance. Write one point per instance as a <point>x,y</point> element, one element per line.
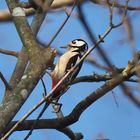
<point>6,16</point>
<point>9,52</point>
<point>5,81</point>
<point>23,57</point>
<point>98,78</point>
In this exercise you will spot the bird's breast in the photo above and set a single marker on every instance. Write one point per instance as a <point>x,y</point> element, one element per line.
<point>60,68</point>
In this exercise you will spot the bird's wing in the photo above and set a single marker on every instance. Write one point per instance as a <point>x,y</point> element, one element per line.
<point>72,62</point>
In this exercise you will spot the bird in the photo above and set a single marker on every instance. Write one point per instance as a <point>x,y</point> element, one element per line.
<point>76,49</point>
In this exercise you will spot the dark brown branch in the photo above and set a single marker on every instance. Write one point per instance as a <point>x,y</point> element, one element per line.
<point>73,136</point>
<point>60,123</point>
<point>5,82</point>
<point>45,124</point>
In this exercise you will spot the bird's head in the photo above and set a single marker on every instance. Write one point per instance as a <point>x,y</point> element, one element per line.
<point>78,45</point>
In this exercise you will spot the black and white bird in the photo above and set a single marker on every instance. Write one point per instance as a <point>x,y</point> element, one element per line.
<point>76,49</point>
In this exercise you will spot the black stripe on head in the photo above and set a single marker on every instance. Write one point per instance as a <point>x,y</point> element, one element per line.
<point>80,44</point>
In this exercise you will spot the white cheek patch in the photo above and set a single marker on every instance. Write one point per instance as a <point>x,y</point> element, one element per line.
<point>80,43</point>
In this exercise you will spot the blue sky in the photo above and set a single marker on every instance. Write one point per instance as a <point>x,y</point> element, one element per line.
<point>104,116</point>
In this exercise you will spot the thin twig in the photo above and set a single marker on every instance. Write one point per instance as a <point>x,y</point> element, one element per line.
<point>115,99</point>
<point>35,122</point>
<point>92,37</point>
<point>5,82</point>
<point>123,18</point>
<point>40,114</point>
<point>44,87</point>
<point>117,5</point>
<point>9,52</point>
<point>63,24</point>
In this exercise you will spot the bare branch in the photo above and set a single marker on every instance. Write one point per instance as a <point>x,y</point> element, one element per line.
<point>63,24</point>
<point>5,82</point>
<point>124,16</point>
<point>99,78</point>
<point>23,57</point>
<point>131,64</point>
<point>9,52</point>
<point>6,16</point>
<point>117,5</point>
<point>45,124</point>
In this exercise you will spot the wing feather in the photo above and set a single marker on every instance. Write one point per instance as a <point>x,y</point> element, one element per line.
<point>72,62</point>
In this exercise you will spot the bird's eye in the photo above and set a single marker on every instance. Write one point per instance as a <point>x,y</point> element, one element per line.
<point>73,42</point>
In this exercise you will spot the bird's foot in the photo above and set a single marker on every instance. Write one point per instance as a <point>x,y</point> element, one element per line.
<point>56,107</point>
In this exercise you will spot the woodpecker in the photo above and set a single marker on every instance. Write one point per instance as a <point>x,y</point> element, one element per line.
<point>76,49</point>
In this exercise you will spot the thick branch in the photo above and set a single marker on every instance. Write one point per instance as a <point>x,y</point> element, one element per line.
<point>23,57</point>
<point>24,88</point>
<point>23,28</point>
<point>45,124</point>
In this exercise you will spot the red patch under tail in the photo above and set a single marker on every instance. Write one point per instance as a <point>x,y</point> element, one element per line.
<point>56,93</point>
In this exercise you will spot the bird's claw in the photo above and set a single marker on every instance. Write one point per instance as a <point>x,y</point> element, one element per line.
<point>56,107</point>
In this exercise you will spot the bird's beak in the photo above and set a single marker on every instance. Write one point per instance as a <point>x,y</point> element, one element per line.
<point>65,47</point>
